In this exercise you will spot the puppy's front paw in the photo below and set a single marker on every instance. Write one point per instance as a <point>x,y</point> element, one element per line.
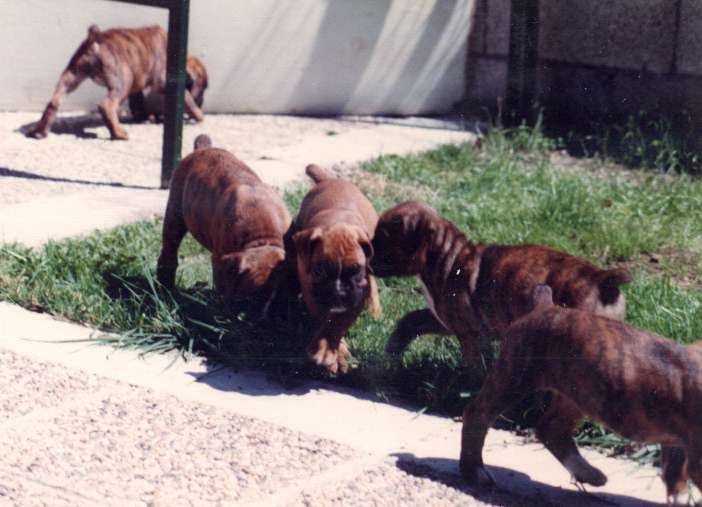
<point>584,472</point>
<point>343,357</point>
<point>333,359</point>
<point>477,476</point>
<point>376,310</point>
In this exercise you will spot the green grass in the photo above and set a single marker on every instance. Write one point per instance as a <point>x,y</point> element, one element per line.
<point>508,191</point>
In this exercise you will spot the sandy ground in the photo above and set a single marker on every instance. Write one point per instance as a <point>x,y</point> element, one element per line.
<point>82,157</point>
<point>79,156</point>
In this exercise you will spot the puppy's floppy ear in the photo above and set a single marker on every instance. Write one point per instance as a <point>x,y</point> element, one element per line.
<point>609,284</point>
<point>366,245</point>
<point>226,271</point>
<point>93,32</point>
<point>305,241</point>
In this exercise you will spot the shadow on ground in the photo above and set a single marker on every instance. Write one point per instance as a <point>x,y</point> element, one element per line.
<point>6,172</point>
<point>77,125</point>
<point>72,125</point>
<point>514,488</point>
<point>227,335</point>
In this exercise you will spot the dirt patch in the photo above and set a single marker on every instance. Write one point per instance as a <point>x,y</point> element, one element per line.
<point>682,266</point>
<point>377,185</point>
<point>605,170</point>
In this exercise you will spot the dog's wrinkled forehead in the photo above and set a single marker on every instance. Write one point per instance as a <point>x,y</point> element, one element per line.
<point>339,244</point>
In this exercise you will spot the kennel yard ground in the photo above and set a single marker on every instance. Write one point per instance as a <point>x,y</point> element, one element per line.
<point>89,425</point>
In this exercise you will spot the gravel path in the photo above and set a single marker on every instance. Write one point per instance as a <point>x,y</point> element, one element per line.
<point>72,438</point>
<point>168,451</point>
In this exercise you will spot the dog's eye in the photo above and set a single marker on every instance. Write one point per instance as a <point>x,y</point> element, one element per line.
<point>318,271</point>
<point>353,270</point>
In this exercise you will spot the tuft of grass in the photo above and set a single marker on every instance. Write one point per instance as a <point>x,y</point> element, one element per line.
<point>505,191</point>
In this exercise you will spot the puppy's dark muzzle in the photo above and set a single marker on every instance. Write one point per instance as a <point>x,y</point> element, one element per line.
<point>337,297</point>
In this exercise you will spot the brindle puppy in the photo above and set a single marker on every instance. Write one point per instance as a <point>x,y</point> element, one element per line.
<point>151,107</point>
<point>232,213</point>
<point>330,246</point>
<point>644,387</point>
<point>476,291</point>
<point>125,61</point>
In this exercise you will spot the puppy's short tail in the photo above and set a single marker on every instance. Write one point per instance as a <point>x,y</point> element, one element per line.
<point>202,141</point>
<point>318,174</point>
<point>542,296</point>
<point>609,284</point>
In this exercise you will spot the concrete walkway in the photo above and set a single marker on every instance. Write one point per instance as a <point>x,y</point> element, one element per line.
<point>82,424</point>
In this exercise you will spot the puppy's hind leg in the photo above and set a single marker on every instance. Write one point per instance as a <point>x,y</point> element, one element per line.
<point>411,326</point>
<point>555,430</point>
<point>513,376</point>
<point>674,473</point>
<point>373,301</point>
<point>694,461</point>
<point>68,82</point>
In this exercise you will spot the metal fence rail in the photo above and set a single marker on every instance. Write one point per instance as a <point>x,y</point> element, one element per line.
<point>178,16</point>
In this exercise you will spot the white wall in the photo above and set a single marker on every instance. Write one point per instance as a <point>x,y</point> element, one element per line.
<point>273,56</point>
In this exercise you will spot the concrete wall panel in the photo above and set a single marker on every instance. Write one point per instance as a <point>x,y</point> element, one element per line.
<point>275,56</point>
<point>690,37</point>
<point>497,27</point>
<point>626,34</point>
<point>488,81</point>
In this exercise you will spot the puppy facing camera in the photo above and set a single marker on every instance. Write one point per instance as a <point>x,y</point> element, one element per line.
<point>330,251</point>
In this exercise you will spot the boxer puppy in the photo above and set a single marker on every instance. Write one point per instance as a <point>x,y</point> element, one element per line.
<point>476,291</point>
<point>151,106</point>
<point>125,61</point>
<point>331,247</point>
<point>640,385</point>
<point>231,212</point>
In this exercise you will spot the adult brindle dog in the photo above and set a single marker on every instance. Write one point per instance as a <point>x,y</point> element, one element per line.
<point>643,386</point>
<point>476,291</point>
<point>125,61</point>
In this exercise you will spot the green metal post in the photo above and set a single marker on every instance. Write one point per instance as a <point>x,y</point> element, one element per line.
<point>520,100</point>
<point>178,15</point>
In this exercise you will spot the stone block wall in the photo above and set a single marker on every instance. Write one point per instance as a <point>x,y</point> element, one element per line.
<point>599,59</point>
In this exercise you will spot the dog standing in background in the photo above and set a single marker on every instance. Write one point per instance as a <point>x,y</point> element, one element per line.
<point>125,61</point>
<point>151,107</point>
